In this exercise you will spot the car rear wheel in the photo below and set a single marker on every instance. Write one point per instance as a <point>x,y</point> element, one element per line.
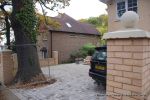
<point>99,83</point>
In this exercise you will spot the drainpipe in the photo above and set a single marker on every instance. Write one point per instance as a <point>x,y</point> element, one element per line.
<point>51,44</point>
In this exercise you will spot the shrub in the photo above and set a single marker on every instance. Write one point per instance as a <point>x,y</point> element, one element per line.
<point>75,55</point>
<point>86,50</point>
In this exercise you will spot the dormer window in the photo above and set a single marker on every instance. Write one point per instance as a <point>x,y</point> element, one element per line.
<point>69,25</point>
<point>125,5</point>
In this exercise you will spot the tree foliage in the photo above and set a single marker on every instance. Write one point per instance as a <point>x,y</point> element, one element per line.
<point>2,24</point>
<point>27,19</point>
<point>5,25</point>
<point>53,4</point>
<point>47,21</point>
<point>100,23</point>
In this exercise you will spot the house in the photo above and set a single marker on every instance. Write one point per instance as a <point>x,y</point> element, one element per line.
<point>69,37</point>
<point>117,7</point>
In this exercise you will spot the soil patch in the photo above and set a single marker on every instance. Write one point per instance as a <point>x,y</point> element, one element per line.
<point>32,85</point>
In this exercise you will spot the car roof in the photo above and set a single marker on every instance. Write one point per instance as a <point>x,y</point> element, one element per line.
<point>101,48</point>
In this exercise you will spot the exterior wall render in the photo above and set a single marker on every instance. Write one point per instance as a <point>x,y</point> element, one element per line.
<point>143,11</point>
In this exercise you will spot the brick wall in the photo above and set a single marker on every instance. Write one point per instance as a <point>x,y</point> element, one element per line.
<point>47,62</point>
<point>128,67</point>
<point>65,43</point>
<point>9,65</point>
<point>50,61</point>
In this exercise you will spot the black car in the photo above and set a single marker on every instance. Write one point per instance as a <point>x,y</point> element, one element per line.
<point>98,70</point>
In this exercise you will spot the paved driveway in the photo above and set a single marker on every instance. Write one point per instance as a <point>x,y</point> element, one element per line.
<point>73,83</point>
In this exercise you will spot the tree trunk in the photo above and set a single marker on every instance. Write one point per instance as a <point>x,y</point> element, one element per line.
<point>28,62</point>
<point>7,31</point>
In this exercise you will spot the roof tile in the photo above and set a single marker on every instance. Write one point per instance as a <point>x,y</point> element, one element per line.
<point>69,24</point>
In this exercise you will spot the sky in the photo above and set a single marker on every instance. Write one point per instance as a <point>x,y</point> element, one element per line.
<point>79,9</point>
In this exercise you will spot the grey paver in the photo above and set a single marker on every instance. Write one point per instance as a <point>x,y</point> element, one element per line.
<point>73,83</point>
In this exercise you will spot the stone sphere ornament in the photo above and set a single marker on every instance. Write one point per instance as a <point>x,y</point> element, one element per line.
<point>129,19</point>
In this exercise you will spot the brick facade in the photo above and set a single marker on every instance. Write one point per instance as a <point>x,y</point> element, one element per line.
<point>65,43</point>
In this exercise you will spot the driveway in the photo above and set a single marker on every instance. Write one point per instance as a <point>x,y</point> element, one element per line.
<point>73,83</point>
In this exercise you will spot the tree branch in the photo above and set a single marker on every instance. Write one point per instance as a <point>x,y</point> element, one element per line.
<point>3,29</point>
<point>42,2</point>
<point>4,11</point>
<point>5,3</point>
<point>44,14</point>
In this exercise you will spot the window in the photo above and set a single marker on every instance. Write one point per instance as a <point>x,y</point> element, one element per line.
<point>125,5</point>
<point>99,55</point>
<point>132,5</point>
<point>69,25</point>
<point>121,8</point>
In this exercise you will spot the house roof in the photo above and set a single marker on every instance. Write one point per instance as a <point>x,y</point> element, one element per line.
<point>105,1</point>
<point>68,24</point>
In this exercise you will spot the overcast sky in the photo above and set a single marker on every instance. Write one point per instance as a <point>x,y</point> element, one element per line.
<point>79,9</point>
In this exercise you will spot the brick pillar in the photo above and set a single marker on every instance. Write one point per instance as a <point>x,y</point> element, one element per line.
<point>2,95</point>
<point>127,68</point>
<point>6,66</point>
<point>128,62</point>
<point>6,94</point>
<point>55,56</point>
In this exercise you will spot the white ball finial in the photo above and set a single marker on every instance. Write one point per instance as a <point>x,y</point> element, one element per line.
<point>129,19</point>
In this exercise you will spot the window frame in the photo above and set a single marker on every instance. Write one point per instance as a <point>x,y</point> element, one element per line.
<point>132,6</point>
<point>126,7</point>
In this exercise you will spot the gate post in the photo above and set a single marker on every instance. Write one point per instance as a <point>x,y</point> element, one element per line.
<point>55,56</point>
<point>128,61</point>
<point>6,66</point>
